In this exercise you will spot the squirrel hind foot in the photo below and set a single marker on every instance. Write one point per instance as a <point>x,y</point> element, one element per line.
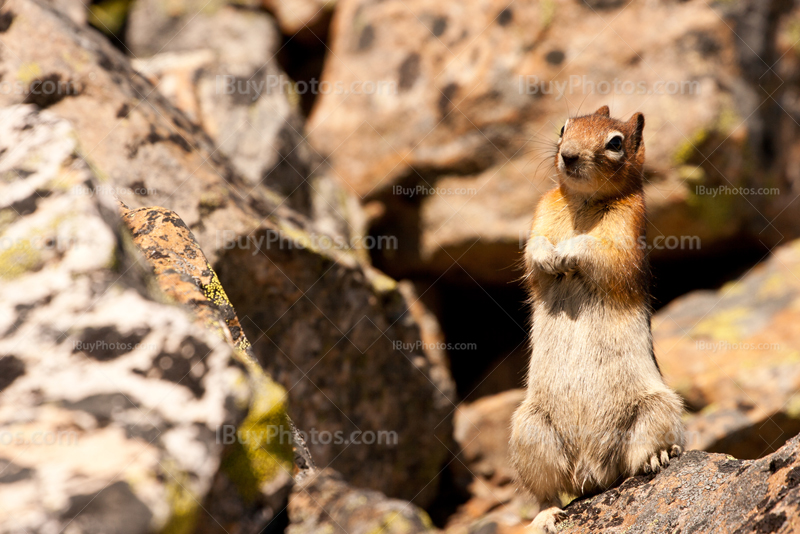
<point>546,520</point>
<point>661,459</point>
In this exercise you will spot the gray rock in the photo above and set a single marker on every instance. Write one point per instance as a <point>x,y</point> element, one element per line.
<point>110,397</point>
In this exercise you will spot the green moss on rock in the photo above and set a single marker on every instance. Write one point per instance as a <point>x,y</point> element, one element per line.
<point>264,439</point>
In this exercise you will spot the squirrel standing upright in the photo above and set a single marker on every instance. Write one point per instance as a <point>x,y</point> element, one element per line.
<point>597,409</point>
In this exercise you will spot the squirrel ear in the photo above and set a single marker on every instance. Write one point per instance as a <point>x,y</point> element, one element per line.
<point>637,126</point>
<point>603,111</point>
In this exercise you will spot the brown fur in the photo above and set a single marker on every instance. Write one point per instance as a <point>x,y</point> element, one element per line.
<point>596,409</point>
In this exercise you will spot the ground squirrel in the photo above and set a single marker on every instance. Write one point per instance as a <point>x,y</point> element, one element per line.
<point>597,409</point>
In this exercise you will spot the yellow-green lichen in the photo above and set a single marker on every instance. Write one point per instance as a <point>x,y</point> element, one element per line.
<point>18,258</point>
<point>263,445</point>
<point>725,325</point>
<point>28,72</point>
<point>548,12</point>
<point>382,283</point>
<point>396,522</point>
<point>691,174</point>
<point>688,148</point>
<point>212,200</point>
<point>109,16</point>
<point>793,408</point>
<point>214,290</point>
<point>183,504</point>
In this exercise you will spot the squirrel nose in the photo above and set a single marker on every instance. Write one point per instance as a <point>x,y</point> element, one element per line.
<point>569,160</point>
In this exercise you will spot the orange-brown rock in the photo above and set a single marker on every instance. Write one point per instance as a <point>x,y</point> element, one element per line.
<point>734,354</point>
<point>456,131</point>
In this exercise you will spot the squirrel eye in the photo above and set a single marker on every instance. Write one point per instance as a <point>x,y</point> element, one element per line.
<point>615,143</point>
<point>562,132</point>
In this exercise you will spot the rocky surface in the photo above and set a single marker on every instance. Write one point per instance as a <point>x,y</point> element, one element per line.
<point>322,502</point>
<point>252,487</point>
<point>327,330</point>
<point>220,68</point>
<point>119,343</point>
<point>133,447</point>
<point>450,150</point>
<point>733,355</point>
<point>328,310</point>
<point>700,492</point>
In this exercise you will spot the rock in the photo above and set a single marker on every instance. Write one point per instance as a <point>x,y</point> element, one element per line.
<point>732,354</point>
<point>111,397</point>
<point>699,492</point>
<point>301,16</point>
<point>453,140</point>
<point>147,152</point>
<point>324,310</point>
<point>76,10</point>
<point>186,25</point>
<point>221,70</point>
<point>324,503</point>
<point>342,340</point>
<point>251,489</point>
<point>482,430</point>
<point>219,67</point>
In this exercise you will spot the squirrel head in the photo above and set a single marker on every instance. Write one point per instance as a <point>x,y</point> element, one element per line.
<point>601,157</point>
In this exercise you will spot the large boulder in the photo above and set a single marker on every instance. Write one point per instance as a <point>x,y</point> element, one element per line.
<point>451,126</point>
<point>323,502</point>
<point>732,354</point>
<point>699,492</point>
<point>111,396</point>
<point>330,319</point>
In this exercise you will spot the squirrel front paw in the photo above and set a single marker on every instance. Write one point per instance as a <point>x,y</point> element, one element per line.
<point>542,256</point>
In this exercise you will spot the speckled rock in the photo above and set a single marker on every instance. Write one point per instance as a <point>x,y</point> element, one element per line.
<point>324,503</point>
<point>150,152</point>
<point>323,308</point>
<point>454,148</point>
<point>734,355</point>
<point>221,70</point>
<point>700,492</point>
<point>252,486</point>
<point>341,338</point>
<point>110,397</point>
